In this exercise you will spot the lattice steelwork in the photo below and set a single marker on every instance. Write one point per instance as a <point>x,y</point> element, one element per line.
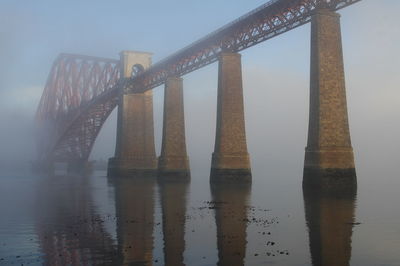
<point>263,23</point>
<point>82,91</point>
<point>78,97</point>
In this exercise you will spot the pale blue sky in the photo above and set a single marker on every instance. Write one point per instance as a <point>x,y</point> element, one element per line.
<point>275,73</point>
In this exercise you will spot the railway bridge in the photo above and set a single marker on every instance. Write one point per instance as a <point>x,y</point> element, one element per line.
<point>81,92</point>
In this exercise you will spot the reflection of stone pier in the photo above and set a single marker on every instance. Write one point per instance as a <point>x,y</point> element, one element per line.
<point>134,201</point>
<point>173,204</point>
<point>330,219</point>
<point>230,202</point>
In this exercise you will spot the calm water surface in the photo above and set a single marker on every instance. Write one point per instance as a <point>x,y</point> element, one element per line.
<point>94,220</point>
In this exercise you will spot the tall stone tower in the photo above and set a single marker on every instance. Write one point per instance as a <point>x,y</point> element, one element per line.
<point>135,150</point>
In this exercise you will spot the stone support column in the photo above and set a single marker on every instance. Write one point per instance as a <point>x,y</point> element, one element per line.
<point>329,154</point>
<point>173,161</point>
<point>230,160</point>
<point>135,150</point>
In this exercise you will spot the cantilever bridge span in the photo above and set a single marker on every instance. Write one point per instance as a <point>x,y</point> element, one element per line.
<point>81,91</point>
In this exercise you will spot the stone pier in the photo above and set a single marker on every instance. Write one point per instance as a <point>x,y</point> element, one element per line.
<point>135,150</point>
<point>329,157</point>
<point>230,160</point>
<point>173,161</point>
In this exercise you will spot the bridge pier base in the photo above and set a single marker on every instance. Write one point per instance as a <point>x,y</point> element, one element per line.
<point>43,166</point>
<point>329,160</point>
<point>135,151</point>
<point>173,161</point>
<point>78,166</point>
<point>230,160</point>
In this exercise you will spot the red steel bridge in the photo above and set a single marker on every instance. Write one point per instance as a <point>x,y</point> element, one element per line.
<point>81,91</point>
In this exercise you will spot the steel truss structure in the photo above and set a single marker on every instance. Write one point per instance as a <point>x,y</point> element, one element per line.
<point>81,91</point>
<point>79,95</point>
<point>269,20</point>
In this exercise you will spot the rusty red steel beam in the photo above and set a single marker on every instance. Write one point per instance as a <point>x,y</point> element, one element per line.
<point>265,22</point>
<point>80,90</point>
<point>77,141</point>
<point>75,80</point>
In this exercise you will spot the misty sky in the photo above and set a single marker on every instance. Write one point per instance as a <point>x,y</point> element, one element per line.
<point>275,73</point>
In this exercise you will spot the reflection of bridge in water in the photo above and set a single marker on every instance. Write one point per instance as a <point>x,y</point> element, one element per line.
<point>82,91</point>
<point>330,219</point>
<point>72,232</point>
<point>69,229</point>
<point>231,202</point>
<point>134,204</point>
